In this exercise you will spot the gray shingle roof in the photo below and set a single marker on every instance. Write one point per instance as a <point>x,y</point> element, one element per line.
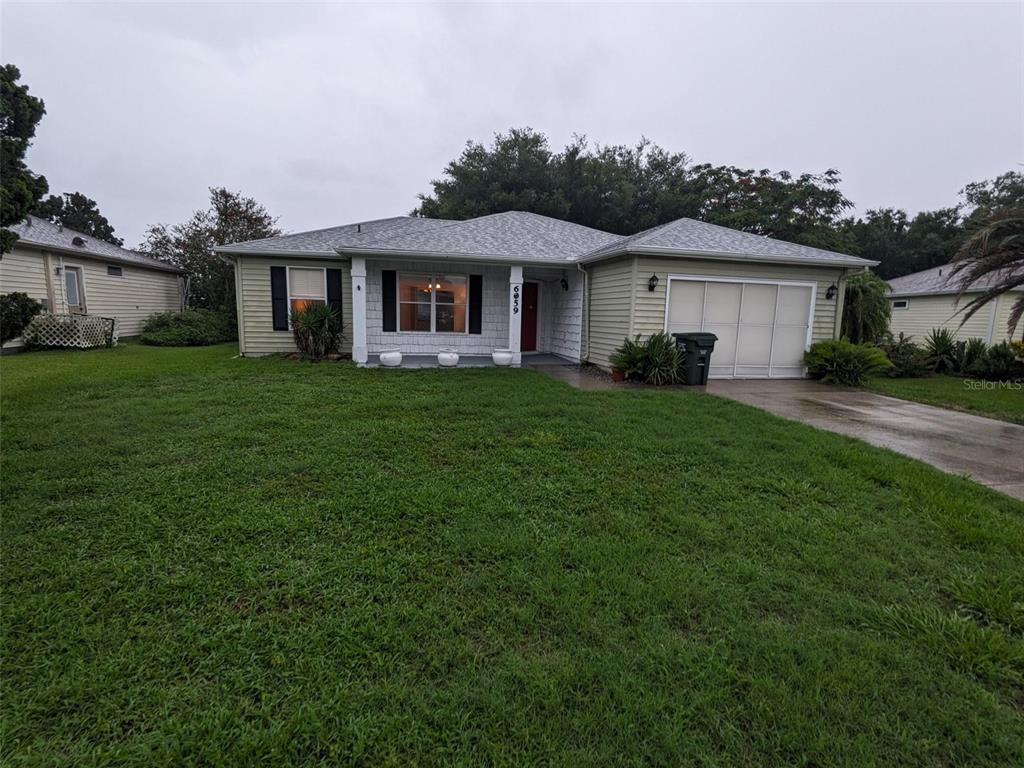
<point>934,281</point>
<point>41,233</point>
<point>514,235</point>
<point>692,237</point>
<point>327,241</point>
<point>520,236</point>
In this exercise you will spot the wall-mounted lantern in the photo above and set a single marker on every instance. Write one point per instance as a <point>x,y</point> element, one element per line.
<point>652,284</point>
<point>832,291</point>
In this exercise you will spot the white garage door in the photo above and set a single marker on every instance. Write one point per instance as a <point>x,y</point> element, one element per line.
<point>763,327</point>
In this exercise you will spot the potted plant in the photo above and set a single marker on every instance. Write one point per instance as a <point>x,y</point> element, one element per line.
<point>448,357</point>
<point>628,360</point>
<point>391,357</point>
<point>502,357</point>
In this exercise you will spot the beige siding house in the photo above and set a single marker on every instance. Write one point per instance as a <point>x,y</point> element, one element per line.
<point>533,285</point>
<point>72,273</point>
<point>930,299</point>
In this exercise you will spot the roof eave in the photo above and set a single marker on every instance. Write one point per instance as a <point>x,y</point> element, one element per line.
<point>649,250</point>
<point>229,251</point>
<point>453,256</point>
<point>50,248</point>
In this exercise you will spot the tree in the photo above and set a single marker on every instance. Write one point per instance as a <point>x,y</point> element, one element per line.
<point>76,211</point>
<point>514,174</point>
<point>20,113</point>
<point>626,189</point>
<point>866,308</point>
<point>992,258</point>
<point>882,236</point>
<point>231,218</point>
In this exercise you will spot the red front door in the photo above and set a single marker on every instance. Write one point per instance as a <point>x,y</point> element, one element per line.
<point>528,338</point>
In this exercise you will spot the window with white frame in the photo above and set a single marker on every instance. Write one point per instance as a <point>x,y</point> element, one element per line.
<point>900,303</point>
<point>306,286</point>
<point>432,303</point>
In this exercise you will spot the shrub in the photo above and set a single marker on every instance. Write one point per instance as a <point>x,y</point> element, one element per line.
<point>16,310</point>
<point>1018,349</point>
<point>840,362</point>
<point>907,358</point>
<point>941,350</point>
<point>969,353</point>
<point>999,363</point>
<point>655,361</point>
<point>629,358</point>
<point>189,328</point>
<point>317,331</point>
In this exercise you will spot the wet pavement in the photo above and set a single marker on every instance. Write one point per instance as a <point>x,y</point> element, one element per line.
<point>991,452</point>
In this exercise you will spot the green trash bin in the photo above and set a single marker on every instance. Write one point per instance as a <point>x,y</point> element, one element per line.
<point>697,349</point>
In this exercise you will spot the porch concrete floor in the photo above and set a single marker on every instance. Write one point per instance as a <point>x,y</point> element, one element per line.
<point>470,361</point>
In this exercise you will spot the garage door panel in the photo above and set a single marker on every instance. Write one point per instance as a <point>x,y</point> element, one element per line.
<point>722,304</point>
<point>686,306</point>
<point>794,305</point>
<point>759,303</point>
<point>789,346</point>
<point>755,345</point>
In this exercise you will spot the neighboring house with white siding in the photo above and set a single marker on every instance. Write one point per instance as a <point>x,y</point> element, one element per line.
<point>534,284</point>
<point>931,299</point>
<point>73,273</point>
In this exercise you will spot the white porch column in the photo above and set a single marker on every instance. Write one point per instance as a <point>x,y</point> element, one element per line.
<point>359,354</point>
<point>515,313</point>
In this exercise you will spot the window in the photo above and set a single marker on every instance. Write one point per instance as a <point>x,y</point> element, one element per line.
<point>432,303</point>
<point>114,271</point>
<point>900,303</point>
<point>306,286</point>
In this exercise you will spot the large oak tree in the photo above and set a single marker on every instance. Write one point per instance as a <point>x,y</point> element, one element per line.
<point>20,188</point>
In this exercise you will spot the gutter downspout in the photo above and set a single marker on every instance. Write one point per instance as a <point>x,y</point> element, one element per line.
<point>585,308</point>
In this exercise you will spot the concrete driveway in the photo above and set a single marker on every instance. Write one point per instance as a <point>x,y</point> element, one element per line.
<point>991,452</point>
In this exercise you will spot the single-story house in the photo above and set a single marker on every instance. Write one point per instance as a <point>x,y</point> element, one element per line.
<point>73,273</point>
<point>930,299</point>
<point>534,284</point>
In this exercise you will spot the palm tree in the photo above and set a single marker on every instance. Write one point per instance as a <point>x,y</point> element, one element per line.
<point>865,308</point>
<point>992,260</point>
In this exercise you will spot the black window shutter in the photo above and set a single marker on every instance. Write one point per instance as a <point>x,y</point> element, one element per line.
<point>334,291</point>
<point>279,297</point>
<point>389,287</point>
<point>476,295</point>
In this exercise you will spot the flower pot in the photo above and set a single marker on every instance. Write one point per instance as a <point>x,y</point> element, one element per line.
<point>502,357</point>
<point>618,375</point>
<point>448,358</point>
<point>391,358</point>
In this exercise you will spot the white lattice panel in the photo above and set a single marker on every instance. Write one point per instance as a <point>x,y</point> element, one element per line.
<point>74,331</point>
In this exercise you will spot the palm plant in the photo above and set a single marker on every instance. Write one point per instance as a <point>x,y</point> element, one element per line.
<point>992,260</point>
<point>866,308</point>
<point>317,330</point>
<point>942,350</point>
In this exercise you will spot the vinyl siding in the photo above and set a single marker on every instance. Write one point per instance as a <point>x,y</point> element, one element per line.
<point>1006,302</point>
<point>608,303</point>
<point>131,298</point>
<point>924,313</point>
<point>257,335</point>
<point>649,313</point>
<point>23,271</point>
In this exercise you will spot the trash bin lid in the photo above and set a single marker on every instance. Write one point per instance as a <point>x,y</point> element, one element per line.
<point>699,338</point>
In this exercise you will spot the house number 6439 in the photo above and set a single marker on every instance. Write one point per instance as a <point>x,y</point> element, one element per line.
<point>515,300</point>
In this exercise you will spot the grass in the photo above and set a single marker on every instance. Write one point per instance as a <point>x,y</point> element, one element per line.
<point>232,562</point>
<point>997,400</point>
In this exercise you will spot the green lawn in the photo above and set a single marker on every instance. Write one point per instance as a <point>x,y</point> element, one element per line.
<point>996,400</point>
<point>219,561</point>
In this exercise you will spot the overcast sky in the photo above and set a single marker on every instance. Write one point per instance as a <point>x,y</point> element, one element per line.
<point>335,113</point>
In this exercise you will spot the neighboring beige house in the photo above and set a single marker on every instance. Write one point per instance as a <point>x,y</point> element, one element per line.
<point>929,299</point>
<point>73,273</point>
<point>534,285</point>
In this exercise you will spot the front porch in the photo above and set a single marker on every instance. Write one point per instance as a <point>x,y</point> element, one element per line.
<point>422,306</point>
